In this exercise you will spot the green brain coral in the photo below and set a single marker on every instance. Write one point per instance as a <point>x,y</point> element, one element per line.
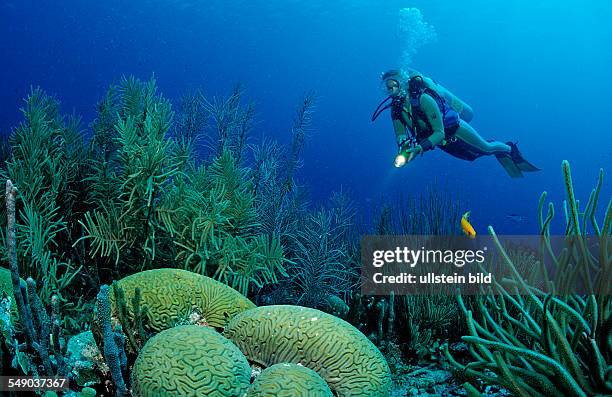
<point>347,360</point>
<point>174,296</point>
<point>190,360</point>
<point>289,380</point>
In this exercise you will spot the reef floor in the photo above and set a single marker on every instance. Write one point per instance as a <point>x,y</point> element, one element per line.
<point>433,379</point>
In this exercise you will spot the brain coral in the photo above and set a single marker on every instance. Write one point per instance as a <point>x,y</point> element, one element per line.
<point>174,296</point>
<point>289,380</point>
<point>347,360</point>
<point>190,360</point>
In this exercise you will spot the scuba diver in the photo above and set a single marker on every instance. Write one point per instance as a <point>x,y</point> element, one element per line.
<point>425,115</point>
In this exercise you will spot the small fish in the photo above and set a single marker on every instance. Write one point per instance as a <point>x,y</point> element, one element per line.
<point>516,218</point>
<point>466,226</point>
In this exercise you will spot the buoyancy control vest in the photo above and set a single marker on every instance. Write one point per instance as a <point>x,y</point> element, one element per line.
<point>450,118</point>
<point>451,121</point>
<point>465,111</point>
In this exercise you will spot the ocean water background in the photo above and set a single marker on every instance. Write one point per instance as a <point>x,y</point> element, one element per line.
<point>535,71</point>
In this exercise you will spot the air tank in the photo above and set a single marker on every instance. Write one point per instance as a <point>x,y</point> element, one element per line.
<point>466,113</point>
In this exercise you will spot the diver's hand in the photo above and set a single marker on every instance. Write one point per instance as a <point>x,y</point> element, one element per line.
<point>406,156</point>
<point>413,153</point>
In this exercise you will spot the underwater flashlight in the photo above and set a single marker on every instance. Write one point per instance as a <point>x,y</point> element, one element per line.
<point>400,160</point>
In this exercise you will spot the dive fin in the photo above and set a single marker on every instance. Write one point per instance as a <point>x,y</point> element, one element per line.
<point>526,166</point>
<point>519,160</point>
<point>510,166</point>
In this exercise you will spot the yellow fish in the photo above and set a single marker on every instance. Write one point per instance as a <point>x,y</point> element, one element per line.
<point>466,226</point>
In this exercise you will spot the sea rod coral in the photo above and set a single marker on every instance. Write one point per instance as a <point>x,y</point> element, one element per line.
<point>542,344</point>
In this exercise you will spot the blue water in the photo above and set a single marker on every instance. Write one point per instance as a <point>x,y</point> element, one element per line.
<point>535,71</point>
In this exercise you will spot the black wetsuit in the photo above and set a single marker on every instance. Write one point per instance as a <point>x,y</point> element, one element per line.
<point>453,146</point>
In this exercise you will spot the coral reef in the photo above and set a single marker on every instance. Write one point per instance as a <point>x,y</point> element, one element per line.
<point>190,360</point>
<point>174,296</point>
<point>541,344</point>
<point>84,359</point>
<point>113,346</point>
<point>6,291</point>
<point>140,195</point>
<point>412,322</point>
<point>44,165</point>
<point>350,364</point>
<point>321,263</point>
<point>230,121</point>
<point>289,380</point>
<point>131,163</point>
<point>427,319</point>
<point>136,196</point>
<point>336,306</point>
<point>152,201</point>
<point>42,332</point>
<point>320,245</point>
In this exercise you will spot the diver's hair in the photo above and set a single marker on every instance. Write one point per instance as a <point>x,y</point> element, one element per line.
<point>396,74</point>
<point>393,73</point>
<point>399,75</point>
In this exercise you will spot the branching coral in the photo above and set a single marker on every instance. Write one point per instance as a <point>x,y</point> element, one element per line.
<point>47,152</point>
<point>427,317</point>
<point>322,265</point>
<point>163,206</point>
<point>143,165</point>
<point>432,213</point>
<point>279,200</point>
<point>113,352</point>
<point>301,123</point>
<point>34,320</point>
<point>231,123</point>
<point>212,219</point>
<point>423,318</point>
<point>539,344</point>
<point>192,116</point>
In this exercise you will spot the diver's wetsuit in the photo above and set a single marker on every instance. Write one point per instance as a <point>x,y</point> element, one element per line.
<point>432,122</point>
<point>425,127</point>
<point>426,119</point>
<point>462,150</point>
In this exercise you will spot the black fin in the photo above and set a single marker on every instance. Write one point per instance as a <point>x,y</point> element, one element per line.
<point>511,168</point>
<point>519,160</point>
